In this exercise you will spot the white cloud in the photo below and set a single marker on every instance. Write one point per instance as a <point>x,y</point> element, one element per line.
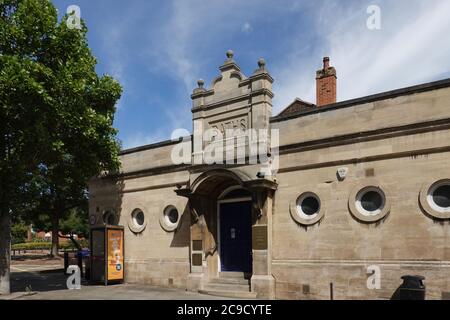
<point>246,27</point>
<point>190,25</point>
<point>410,48</point>
<point>191,31</point>
<point>114,45</point>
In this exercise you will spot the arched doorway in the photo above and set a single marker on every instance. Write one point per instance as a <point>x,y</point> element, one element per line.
<point>234,216</point>
<point>230,233</point>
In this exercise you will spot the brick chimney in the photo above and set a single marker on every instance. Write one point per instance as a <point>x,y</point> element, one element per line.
<point>326,84</point>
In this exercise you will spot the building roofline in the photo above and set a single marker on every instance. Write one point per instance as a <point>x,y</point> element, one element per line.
<point>338,105</point>
<point>371,98</point>
<point>153,146</point>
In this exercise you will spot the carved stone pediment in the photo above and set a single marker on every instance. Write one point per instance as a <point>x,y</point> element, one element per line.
<point>232,106</point>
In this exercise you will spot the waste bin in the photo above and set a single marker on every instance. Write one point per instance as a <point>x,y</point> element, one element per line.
<point>86,263</point>
<point>412,288</point>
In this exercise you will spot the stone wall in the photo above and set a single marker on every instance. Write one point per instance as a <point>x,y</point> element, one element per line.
<point>338,249</point>
<point>399,143</point>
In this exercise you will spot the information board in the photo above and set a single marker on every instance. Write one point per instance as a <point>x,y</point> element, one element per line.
<point>115,254</point>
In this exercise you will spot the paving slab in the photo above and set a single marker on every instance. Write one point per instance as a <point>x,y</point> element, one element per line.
<point>119,292</point>
<point>43,278</point>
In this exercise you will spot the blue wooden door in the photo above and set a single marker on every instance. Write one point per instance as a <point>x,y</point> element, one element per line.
<point>236,237</point>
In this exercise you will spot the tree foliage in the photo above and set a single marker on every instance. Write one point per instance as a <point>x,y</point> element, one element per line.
<point>18,232</point>
<point>56,115</point>
<point>74,221</point>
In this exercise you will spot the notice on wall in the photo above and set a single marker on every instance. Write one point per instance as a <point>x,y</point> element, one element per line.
<point>115,255</point>
<point>259,237</point>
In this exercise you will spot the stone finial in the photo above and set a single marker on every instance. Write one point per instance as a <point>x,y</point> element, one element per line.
<point>200,89</point>
<point>229,63</point>
<point>261,63</point>
<point>261,67</point>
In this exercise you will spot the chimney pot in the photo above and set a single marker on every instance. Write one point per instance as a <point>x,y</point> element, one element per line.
<point>326,63</point>
<point>326,84</point>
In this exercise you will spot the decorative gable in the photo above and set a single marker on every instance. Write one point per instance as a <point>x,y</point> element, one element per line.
<point>297,106</point>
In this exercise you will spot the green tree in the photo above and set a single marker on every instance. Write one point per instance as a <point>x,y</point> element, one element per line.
<point>19,232</point>
<point>76,222</point>
<point>56,117</point>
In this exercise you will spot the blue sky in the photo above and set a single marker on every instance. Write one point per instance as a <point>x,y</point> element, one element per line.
<point>158,49</point>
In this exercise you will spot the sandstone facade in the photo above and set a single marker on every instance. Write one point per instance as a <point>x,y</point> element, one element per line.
<point>395,144</point>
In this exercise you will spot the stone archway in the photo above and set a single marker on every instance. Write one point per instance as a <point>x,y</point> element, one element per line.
<point>204,202</point>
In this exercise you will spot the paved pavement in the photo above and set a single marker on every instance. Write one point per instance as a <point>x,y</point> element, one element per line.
<point>42,278</point>
<point>119,292</point>
<point>36,273</point>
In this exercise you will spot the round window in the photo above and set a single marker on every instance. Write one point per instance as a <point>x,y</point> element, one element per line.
<point>439,196</point>
<point>110,217</point>
<point>137,222</point>
<point>170,218</point>
<point>172,215</point>
<point>138,217</point>
<point>308,209</point>
<point>308,206</point>
<point>370,201</point>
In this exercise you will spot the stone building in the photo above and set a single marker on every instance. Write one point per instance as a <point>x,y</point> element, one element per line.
<point>361,189</point>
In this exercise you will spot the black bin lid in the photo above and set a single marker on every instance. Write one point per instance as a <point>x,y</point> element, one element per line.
<point>413,280</point>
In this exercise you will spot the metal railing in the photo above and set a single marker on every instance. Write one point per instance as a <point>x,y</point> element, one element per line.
<point>17,252</point>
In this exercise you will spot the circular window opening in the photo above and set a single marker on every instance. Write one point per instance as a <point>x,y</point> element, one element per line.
<point>308,206</point>
<point>136,221</point>
<point>109,217</point>
<point>172,215</point>
<point>439,197</point>
<point>170,218</point>
<point>138,218</point>
<point>370,201</point>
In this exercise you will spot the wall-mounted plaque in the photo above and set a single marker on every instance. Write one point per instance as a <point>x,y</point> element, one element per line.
<point>197,259</point>
<point>259,237</point>
<point>197,245</point>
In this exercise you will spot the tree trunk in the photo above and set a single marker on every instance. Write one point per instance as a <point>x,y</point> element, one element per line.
<point>5,251</point>
<point>55,238</point>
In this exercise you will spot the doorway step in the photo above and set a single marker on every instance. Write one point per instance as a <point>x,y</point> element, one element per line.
<point>229,285</point>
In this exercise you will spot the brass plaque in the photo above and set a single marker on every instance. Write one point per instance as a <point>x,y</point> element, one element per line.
<point>259,237</point>
<point>197,245</point>
<point>197,259</point>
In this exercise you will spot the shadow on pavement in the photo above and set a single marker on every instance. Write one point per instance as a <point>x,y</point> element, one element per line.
<point>40,281</point>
